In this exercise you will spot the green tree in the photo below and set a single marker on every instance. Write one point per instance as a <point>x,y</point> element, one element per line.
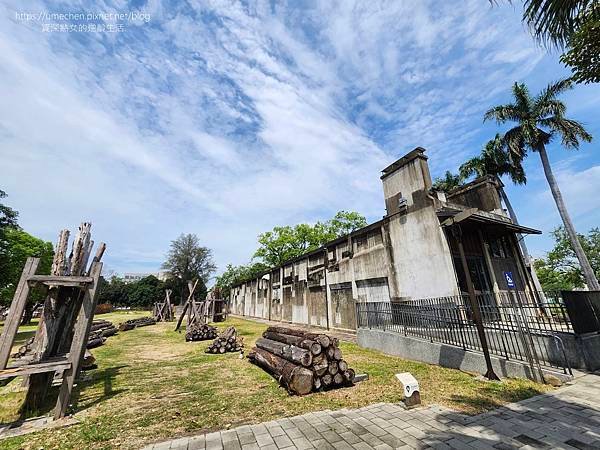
<point>583,50</point>
<point>539,119</point>
<point>554,21</point>
<point>113,291</point>
<point>237,274</point>
<point>550,279</point>
<point>188,260</point>
<point>287,242</point>
<point>562,269</point>
<point>449,182</point>
<point>345,222</point>
<point>8,216</point>
<point>145,292</point>
<point>571,25</point>
<point>496,160</point>
<point>15,247</point>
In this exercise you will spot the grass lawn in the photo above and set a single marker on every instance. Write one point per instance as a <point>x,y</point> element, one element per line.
<point>150,384</point>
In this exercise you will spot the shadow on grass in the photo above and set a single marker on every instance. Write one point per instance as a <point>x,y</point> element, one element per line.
<point>96,377</point>
<point>492,396</point>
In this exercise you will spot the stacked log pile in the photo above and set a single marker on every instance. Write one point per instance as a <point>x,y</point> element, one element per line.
<point>302,361</point>
<point>136,323</point>
<point>200,332</point>
<point>99,332</point>
<point>228,341</point>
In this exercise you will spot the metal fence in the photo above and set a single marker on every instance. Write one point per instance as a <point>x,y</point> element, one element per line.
<point>514,323</point>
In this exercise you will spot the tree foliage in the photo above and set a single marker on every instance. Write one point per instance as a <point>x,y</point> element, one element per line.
<point>145,292</point>
<point>560,269</point>
<point>449,182</point>
<point>8,216</point>
<point>554,21</point>
<point>15,247</point>
<point>238,274</point>
<point>188,260</point>
<point>494,159</point>
<point>539,119</point>
<point>287,242</point>
<point>583,53</point>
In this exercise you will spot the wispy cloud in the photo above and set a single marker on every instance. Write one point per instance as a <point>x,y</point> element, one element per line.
<point>224,118</point>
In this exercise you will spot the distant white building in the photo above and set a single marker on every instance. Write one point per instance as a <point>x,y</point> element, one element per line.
<point>132,277</point>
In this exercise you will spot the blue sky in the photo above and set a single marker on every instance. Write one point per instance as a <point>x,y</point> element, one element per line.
<point>225,119</point>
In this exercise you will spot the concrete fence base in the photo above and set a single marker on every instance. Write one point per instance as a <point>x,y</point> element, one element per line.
<point>444,355</point>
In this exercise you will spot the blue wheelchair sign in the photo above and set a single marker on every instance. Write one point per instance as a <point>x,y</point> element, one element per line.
<point>510,281</point>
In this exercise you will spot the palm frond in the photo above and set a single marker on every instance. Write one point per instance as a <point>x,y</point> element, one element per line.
<point>502,113</point>
<point>515,143</point>
<point>474,166</point>
<point>523,100</point>
<point>553,21</point>
<point>547,98</point>
<point>571,132</point>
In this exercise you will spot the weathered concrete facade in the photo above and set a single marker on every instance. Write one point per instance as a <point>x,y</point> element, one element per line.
<point>406,255</point>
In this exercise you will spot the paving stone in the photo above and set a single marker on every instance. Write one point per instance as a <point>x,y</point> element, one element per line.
<point>568,418</point>
<point>264,439</point>
<point>282,441</point>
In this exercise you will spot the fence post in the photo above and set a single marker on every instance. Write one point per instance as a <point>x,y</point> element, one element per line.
<point>457,234</point>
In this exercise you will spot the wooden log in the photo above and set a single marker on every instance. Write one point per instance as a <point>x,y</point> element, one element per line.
<point>342,365</point>
<point>299,341</point>
<point>338,379</point>
<point>290,352</point>
<point>322,339</point>
<point>337,353</point>
<point>317,383</point>
<point>326,380</point>
<point>332,368</point>
<point>295,378</point>
<point>97,342</point>
<point>320,365</point>
<point>330,352</point>
<point>349,375</point>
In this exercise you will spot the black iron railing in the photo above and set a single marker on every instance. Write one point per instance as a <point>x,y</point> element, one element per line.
<point>514,323</point>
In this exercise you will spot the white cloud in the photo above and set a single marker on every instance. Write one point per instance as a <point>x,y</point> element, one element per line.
<point>225,119</point>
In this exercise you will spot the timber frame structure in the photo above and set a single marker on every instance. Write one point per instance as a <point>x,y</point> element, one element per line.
<point>199,312</point>
<point>163,311</point>
<point>64,327</point>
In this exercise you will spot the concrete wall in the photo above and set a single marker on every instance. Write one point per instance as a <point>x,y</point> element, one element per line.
<point>421,256</point>
<point>443,355</point>
<point>405,255</point>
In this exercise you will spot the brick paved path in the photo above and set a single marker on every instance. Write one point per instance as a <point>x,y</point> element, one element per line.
<point>568,418</point>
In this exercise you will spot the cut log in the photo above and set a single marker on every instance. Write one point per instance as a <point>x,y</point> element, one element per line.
<point>332,368</point>
<point>326,380</point>
<point>342,365</point>
<point>299,341</point>
<point>338,379</point>
<point>337,353</point>
<point>290,352</point>
<point>320,365</point>
<point>349,375</point>
<point>293,377</point>
<point>136,323</point>
<point>322,339</point>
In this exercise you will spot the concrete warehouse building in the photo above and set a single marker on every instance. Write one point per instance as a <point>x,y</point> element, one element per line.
<point>411,253</point>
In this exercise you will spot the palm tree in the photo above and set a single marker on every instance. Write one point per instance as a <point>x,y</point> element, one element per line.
<point>539,119</point>
<point>449,182</point>
<point>495,160</point>
<point>553,22</point>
